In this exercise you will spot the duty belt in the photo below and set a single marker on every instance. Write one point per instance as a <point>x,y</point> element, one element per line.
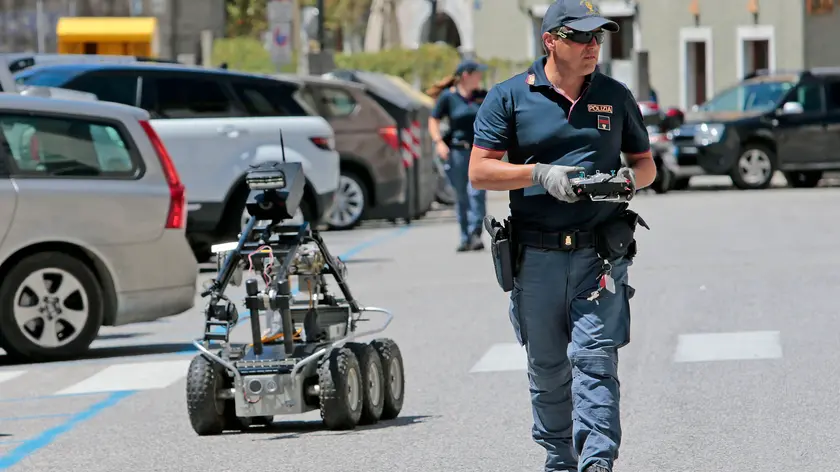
<point>561,240</point>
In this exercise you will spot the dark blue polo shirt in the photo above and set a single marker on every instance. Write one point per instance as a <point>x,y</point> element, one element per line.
<point>461,112</point>
<point>527,117</point>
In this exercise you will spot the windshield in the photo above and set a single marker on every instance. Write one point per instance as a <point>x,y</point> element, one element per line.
<point>759,96</point>
<point>44,78</point>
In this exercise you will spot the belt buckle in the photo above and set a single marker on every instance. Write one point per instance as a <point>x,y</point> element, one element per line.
<point>568,240</point>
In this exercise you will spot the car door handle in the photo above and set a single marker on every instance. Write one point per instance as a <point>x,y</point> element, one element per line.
<point>230,131</point>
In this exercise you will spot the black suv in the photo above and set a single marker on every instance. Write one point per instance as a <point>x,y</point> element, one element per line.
<point>785,121</point>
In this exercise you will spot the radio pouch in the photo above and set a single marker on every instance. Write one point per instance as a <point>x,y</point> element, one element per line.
<point>502,250</point>
<point>617,237</point>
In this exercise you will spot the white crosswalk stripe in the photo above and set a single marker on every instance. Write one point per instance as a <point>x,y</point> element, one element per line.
<point>706,347</point>
<point>132,376</point>
<point>502,357</point>
<point>10,374</point>
<point>696,347</point>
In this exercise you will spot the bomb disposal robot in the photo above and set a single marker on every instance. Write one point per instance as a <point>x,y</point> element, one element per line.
<point>306,357</point>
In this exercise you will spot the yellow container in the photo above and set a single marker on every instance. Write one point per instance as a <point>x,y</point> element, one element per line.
<point>133,36</point>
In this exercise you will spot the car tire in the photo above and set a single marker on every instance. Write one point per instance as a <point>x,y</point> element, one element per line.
<point>351,202</point>
<point>754,168</point>
<point>681,184</point>
<point>664,178</point>
<point>35,287</point>
<point>805,179</point>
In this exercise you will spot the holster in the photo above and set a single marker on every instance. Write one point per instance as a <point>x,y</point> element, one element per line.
<point>503,250</point>
<point>617,237</point>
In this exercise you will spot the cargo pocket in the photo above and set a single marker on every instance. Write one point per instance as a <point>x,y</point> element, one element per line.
<point>515,313</point>
<point>626,317</point>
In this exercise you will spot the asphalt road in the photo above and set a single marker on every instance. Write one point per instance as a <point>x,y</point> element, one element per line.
<point>732,364</point>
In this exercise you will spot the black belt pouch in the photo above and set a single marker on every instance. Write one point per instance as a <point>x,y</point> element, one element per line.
<point>617,238</point>
<point>502,249</point>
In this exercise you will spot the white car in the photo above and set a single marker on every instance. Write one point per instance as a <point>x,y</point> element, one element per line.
<point>215,124</point>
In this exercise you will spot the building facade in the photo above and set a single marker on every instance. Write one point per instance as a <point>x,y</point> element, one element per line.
<point>30,25</point>
<point>698,48</point>
<point>510,29</point>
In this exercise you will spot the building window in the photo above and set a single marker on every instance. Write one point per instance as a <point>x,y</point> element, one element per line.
<point>819,7</point>
<point>621,43</point>
<point>536,27</point>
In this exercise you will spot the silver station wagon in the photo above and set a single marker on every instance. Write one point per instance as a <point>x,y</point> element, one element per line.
<point>92,225</point>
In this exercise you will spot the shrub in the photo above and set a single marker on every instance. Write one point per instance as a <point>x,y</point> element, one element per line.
<point>426,64</point>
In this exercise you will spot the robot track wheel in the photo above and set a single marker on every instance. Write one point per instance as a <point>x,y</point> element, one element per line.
<point>394,375</point>
<point>373,380</point>
<point>340,389</point>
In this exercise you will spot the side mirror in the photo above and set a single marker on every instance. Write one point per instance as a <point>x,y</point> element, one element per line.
<point>792,108</point>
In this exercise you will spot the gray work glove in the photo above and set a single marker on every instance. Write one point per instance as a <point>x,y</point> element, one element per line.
<point>555,180</point>
<point>626,173</point>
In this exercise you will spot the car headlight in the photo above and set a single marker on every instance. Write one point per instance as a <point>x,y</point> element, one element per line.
<point>706,133</point>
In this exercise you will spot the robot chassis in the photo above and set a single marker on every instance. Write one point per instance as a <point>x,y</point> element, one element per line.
<point>308,358</point>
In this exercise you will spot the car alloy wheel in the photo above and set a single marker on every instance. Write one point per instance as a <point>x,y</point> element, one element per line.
<point>755,167</point>
<point>51,308</point>
<point>349,203</point>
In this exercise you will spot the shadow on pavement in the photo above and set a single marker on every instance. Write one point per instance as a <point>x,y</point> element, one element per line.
<point>295,429</point>
<point>108,337</point>
<point>116,351</point>
<point>369,260</point>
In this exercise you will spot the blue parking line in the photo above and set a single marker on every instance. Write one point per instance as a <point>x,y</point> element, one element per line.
<point>46,438</point>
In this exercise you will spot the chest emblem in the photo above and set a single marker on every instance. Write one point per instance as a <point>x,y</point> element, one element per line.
<point>603,123</point>
<point>599,108</point>
<point>531,79</point>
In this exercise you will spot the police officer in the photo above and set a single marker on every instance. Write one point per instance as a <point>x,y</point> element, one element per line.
<point>563,116</point>
<point>458,99</point>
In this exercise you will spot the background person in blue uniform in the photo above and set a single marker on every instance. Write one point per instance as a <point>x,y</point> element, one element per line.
<point>563,116</point>
<point>458,100</point>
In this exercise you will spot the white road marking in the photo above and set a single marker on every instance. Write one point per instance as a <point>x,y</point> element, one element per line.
<point>132,376</point>
<point>10,374</point>
<point>704,347</point>
<point>502,357</point>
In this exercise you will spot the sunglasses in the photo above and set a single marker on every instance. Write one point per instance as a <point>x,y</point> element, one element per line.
<point>582,37</point>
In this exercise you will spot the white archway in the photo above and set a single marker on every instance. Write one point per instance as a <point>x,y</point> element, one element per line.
<point>413,17</point>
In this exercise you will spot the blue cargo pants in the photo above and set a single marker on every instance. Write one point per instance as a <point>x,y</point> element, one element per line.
<point>572,348</point>
<point>471,205</point>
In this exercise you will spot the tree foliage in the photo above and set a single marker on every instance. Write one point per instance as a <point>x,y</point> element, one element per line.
<point>249,17</point>
<point>246,17</point>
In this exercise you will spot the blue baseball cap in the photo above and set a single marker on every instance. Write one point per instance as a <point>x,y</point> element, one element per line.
<point>469,65</point>
<point>581,15</point>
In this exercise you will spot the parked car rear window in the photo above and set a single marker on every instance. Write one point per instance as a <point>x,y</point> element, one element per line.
<point>263,99</point>
<point>181,97</point>
<point>337,102</point>
<point>110,88</point>
<point>52,146</point>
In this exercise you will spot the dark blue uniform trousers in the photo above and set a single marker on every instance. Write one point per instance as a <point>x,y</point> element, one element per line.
<point>572,346</point>
<point>471,206</point>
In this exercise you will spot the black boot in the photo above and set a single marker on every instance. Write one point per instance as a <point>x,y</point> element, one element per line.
<point>596,468</point>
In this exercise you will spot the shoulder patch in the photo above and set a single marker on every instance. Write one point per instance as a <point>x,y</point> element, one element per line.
<point>599,108</point>
<point>531,79</point>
